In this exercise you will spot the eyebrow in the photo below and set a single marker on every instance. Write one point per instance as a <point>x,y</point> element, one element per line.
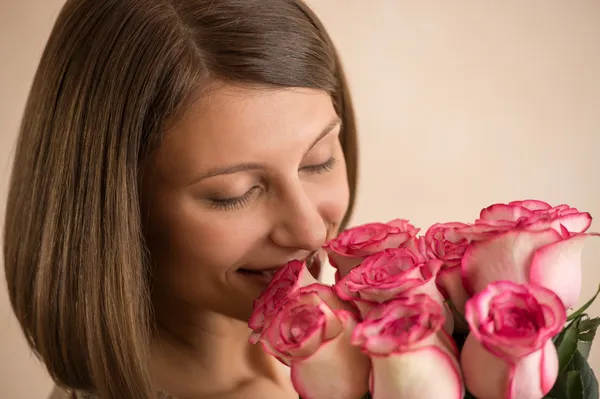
<point>248,166</point>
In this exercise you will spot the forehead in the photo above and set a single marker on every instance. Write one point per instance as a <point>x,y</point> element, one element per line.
<point>239,124</point>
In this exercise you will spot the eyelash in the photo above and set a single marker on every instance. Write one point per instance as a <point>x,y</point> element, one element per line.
<point>322,168</point>
<point>229,204</point>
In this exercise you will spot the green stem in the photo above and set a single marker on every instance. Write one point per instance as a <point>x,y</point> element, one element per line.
<point>460,316</point>
<point>582,309</point>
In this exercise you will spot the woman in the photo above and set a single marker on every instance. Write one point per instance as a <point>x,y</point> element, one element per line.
<point>172,154</point>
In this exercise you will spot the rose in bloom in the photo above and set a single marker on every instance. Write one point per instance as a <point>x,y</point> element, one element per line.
<point>527,242</point>
<point>285,283</point>
<point>311,333</point>
<point>351,246</point>
<point>511,330</point>
<point>389,274</point>
<point>443,241</point>
<point>411,354</point>
<point>539,215</point>
<point>530,215</point>
<point>543,257</point>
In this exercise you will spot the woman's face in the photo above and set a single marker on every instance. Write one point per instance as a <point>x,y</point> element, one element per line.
<point>245,181</point>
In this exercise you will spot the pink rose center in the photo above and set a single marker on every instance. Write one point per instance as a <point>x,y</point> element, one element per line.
<point>403,329</point>
<point>516,322</point>
<point>383,272</point>
<point>368,237</point>
<point>515,315</point>
<point>303,323</point>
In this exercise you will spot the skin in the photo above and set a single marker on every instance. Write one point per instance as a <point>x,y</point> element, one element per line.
<point>294,200</point>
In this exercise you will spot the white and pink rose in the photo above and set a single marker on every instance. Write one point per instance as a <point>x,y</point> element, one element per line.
<point>311,333</point>
<point>385,324</point>
<point>351,246</point>
<point>411,354</point>
<point>511,326</point>
<point>390,274</point>
<point>285,283</point>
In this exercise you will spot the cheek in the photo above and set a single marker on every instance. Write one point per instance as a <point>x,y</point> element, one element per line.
<point>191,246</point>
<point>334,198</point>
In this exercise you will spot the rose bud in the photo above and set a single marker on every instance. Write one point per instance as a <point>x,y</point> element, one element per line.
<point>542,257</point>
<point>443,241</point>
<point>392,273</point>
<point>311,333</point>
<point>509,353</point>
<point>285,283</point>
<point>412,356</point>
<point>351,246</point>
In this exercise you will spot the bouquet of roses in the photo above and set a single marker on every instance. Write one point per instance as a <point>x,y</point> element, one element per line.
<point>475,310</point>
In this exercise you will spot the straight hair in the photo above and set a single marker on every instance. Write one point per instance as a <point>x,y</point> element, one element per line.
<point>112,74</point>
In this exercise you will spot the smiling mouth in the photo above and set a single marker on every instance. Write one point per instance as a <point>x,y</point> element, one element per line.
<point>266,273</point>
<point>313,265</point>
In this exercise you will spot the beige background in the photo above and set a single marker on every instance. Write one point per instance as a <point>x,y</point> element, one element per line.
<point>460,104</point>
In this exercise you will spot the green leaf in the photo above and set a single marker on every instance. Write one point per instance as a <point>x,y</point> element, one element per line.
<point>588,329</point>
<point>587,336</point>
<point>588,379</point>
<point>590,324</point>
<point>567,346</point>
<point>584,347</point>
<point>582,309</point>
<point>564,382</point>
<point>574,385</point>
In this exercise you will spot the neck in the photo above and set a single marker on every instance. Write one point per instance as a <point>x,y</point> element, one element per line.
<point>201,352</point>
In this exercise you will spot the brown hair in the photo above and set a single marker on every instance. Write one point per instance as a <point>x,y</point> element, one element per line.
<point>112,73</point>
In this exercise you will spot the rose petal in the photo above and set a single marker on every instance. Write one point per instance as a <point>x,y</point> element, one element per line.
<point>343,263</point>
<point>336,370</point>
<point>534,375</point>
<point>573,222</point>
<point>409,375</point>
<point>504,257</point>
<point>485,375</point>
<point>557,266</point>
<point>532,205</point>
<point>488,376</point>
<point>505,212</point>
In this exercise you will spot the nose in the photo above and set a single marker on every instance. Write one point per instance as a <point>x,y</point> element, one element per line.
<point>299,224</point>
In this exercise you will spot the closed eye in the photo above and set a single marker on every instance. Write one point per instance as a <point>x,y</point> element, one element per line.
<point>320,168</point>
<point>229,204</point>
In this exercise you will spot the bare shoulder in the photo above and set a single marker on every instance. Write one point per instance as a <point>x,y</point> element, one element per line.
<point>59,393</point>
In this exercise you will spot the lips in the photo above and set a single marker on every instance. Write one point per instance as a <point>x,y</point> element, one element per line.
<point>263,272</point>
<point>313,263</point>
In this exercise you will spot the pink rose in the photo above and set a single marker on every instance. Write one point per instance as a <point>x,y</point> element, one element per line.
<point>351,246</point>
<point>531,215</point>
<point>539,215</point>
<point>443,241</point>
<point>285,283</point>
<point>390,274</point>
<point>311,333</point>
<point>411,355</point>
<point>511,330</point>
<point>543,257</point>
